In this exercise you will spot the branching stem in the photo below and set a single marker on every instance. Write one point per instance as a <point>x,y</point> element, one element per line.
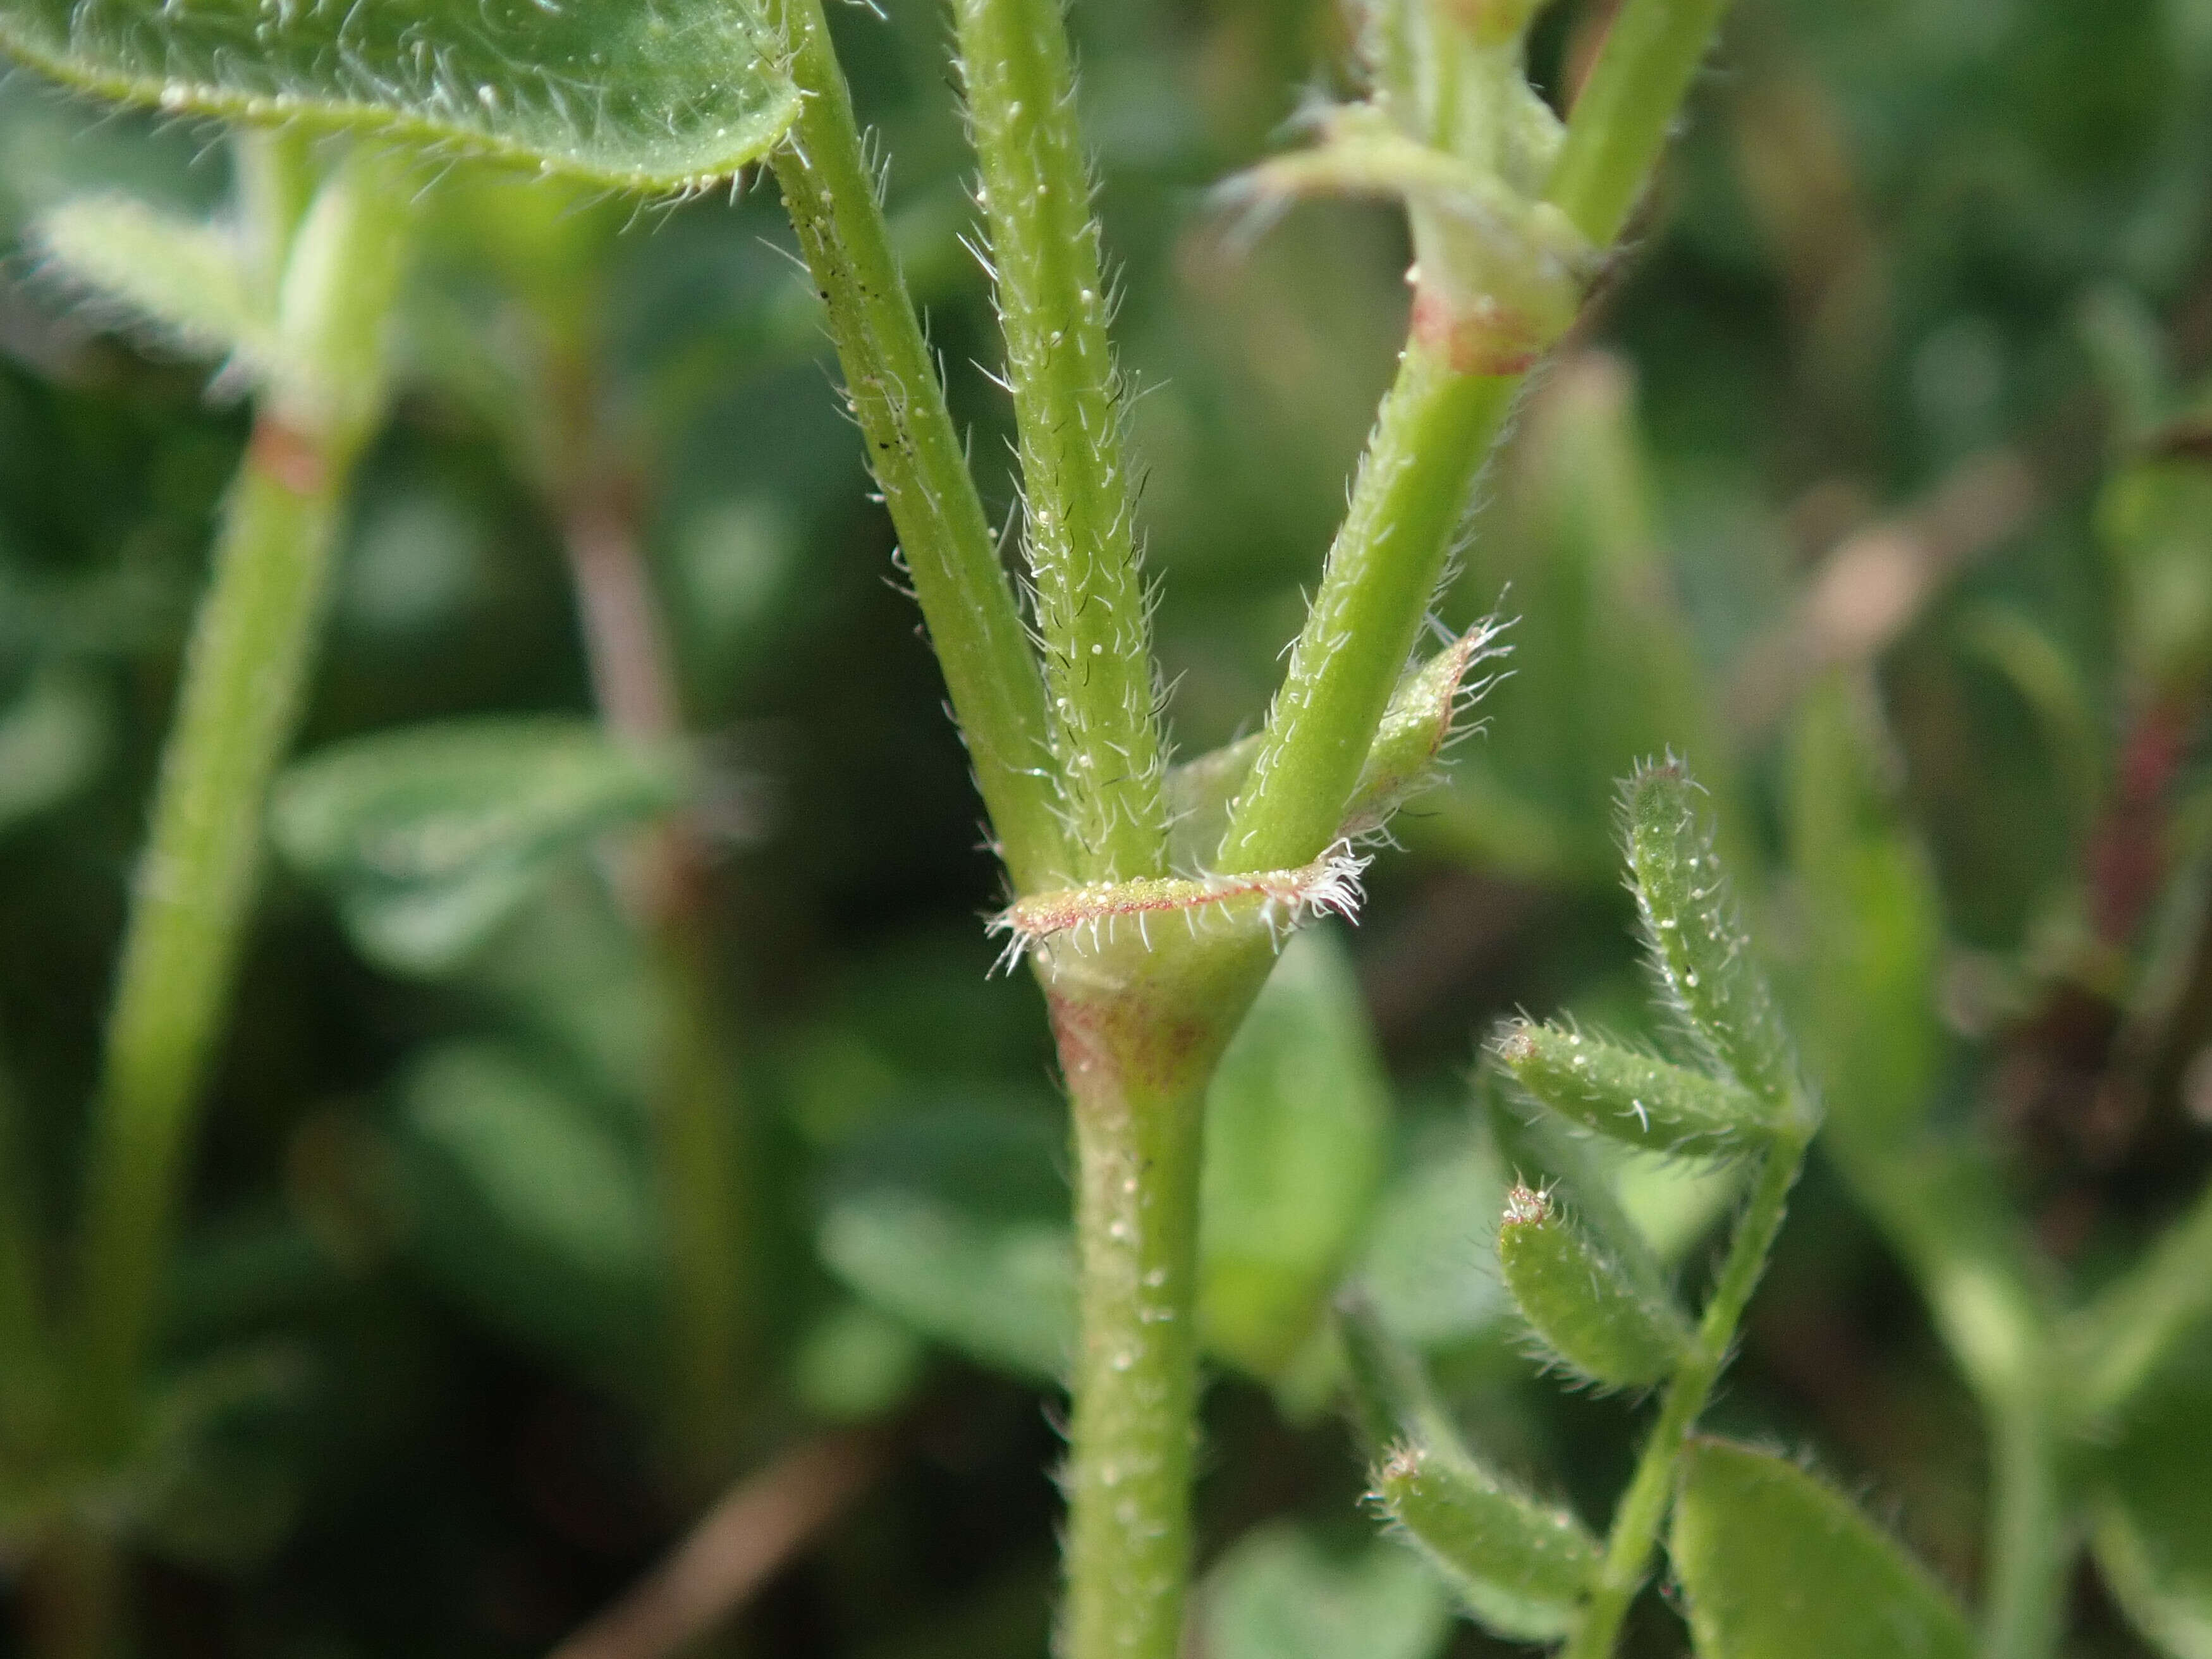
<point>1622,115</point>
<point>1138,1054</point>
<point>1437,430</point>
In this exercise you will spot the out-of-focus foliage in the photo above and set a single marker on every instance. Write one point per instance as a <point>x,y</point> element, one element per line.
<point>1877,488</point>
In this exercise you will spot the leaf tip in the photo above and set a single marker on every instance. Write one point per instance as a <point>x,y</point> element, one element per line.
<point>1525,1207</point>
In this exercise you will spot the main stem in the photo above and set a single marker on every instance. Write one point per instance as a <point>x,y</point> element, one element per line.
<point>1642,1509</point>
<point>1136,1372</point>
<point>244,672</point>
<point>1138,1144</point>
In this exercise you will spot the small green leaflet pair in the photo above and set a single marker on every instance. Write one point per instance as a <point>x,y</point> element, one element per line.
<point>650,95</point>
<point>1774,1565</point>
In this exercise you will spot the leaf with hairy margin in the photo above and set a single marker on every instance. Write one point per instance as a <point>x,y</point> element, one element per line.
<point>1778,1564</point>
<point>653,95</point>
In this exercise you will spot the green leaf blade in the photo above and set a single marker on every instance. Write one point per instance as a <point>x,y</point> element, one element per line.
<point>1702,957</point>
<point>1632,1096</point>
<point>1522,1567</point>
<point>2150,1534</point>
<point>532,1203</point>
<point>1587,1306</point>
<point>1776,1565</point>
<point>955,1222</point>
<point>668,95</point>
<point>1280,1595</point>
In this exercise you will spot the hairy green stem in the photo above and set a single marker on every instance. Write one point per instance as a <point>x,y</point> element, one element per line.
<point>1437,430</point>
<point>273,177</point>
<point>1642,1508</point>
<point>1623,113</point>
<point>1139,1028</point>
<point>1136,1373</point>
<point>243,676</point>
<point>998,695</point>
<point>1053,302</point>
<point>245,672</point>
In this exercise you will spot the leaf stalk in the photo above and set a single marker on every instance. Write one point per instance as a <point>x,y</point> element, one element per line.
<point>1642,1508</point>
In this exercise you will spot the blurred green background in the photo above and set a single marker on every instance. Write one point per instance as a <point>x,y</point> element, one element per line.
<point>1879,484</point>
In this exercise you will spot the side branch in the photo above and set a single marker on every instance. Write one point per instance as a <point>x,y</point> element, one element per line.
<point>916,456</point>
<point>1439,425</point>
<point>1052,301</point>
